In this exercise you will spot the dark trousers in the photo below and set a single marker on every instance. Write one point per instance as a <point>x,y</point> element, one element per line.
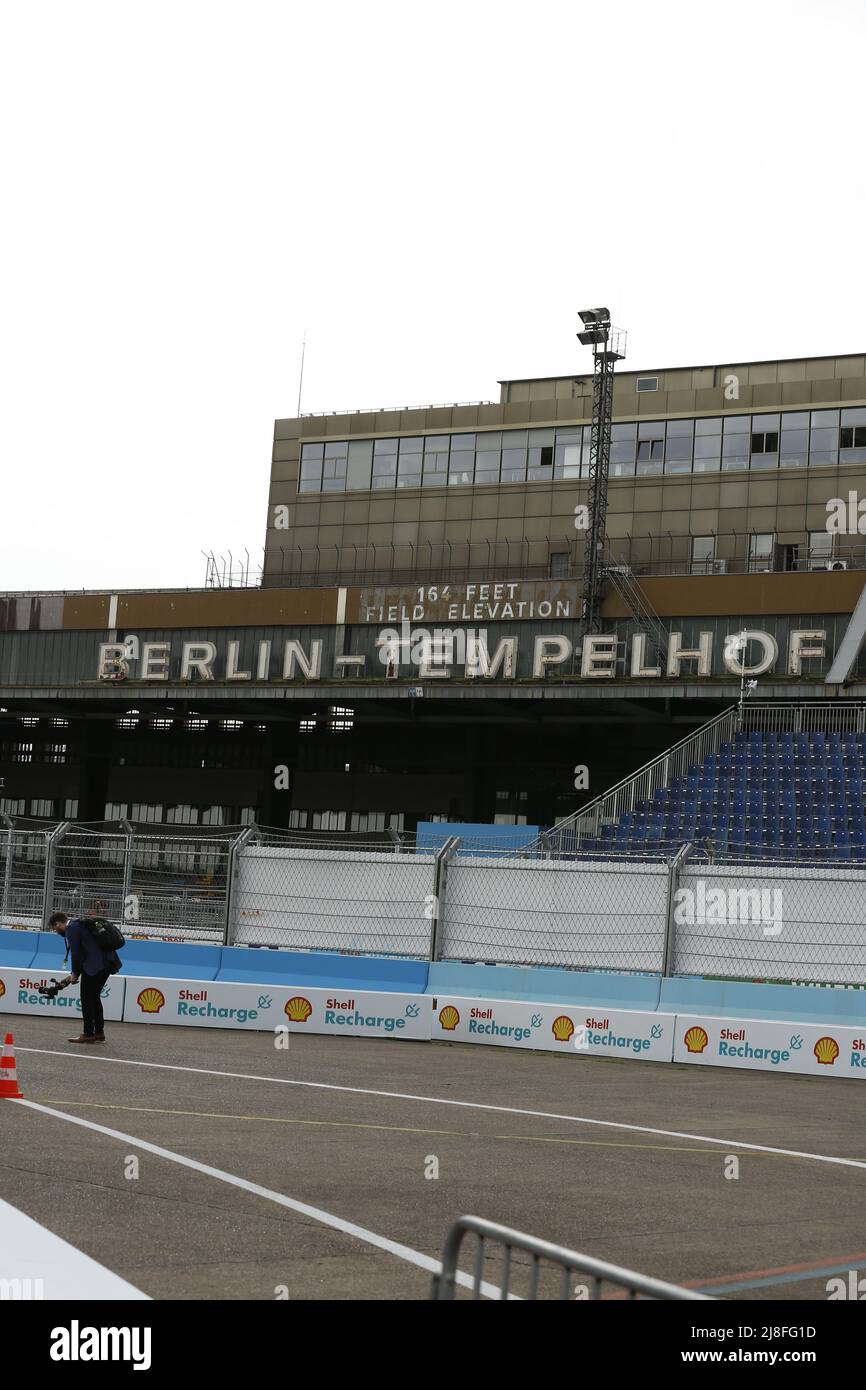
<point>91,1004</point>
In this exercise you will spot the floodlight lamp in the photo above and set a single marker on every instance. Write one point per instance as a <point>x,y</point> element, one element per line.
<point>592,336</point>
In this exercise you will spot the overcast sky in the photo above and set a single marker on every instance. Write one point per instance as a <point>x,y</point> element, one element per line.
<point>431,191</point>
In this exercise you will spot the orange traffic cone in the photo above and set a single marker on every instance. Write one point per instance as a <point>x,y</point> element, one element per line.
<point>8,1073</point>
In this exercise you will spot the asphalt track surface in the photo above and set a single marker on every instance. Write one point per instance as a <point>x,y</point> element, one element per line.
<point>321,1189</point>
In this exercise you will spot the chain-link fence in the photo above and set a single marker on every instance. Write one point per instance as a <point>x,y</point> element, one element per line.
<point>23,853</point>
<point>596,915</point>
<point>321,897</point>
<point>770,922</point>
<point>389,896</point>
<point>155,881</point>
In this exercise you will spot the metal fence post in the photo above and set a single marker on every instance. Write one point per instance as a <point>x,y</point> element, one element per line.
<point>7,873</point>
<point>128,855</point>
<point>52,840</point>
<point>237,845</point>
<point>440,877</point>
<point>674,867</point>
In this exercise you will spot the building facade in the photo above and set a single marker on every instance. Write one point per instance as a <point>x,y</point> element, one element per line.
<point>727,468</point>
<point>415,649</point>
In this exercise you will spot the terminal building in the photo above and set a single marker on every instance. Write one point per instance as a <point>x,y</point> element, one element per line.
<point>415,651</point>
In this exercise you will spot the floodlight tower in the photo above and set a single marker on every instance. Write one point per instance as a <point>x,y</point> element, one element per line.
<point>608,347</point>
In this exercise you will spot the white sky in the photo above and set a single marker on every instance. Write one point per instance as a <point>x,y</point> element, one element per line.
<point>432,191</point>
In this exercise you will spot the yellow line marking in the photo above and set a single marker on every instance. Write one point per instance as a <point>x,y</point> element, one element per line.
<point>394,1129</point>
<point>265,1119</point>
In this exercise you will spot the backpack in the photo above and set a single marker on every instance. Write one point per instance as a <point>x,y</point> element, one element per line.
<point>108,937</point>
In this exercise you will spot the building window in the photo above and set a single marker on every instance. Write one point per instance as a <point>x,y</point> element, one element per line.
<point>409,469</point>
<point>196,725</point>
<point>559,566</point>
<point>650,448</point>
<point>360,465</point>
<point>384,463</point>
<point>436,460</point>
<point>514,445</point>
<point>70,809</point>
<point>766,442</point>
<point>10,807</point>
<point>820,549</point>
<point>334,467</point>
<point>42,807</point>
<point>462,466</point>
<point>679,446</point>
<point>824,439</point>
<point>623,440</point>
<point>329,820</point>
<point>312,456</point>
<point>646,383</point>
<point>541,443</point>
<point>794,443</point>
<point>307,726</point>
<point>761,552</point>
<point>341,720</point>
<point>708,445</point>
<point>298,820</point>
<point>488,455</point>
<point>567,451</point>
<point>703,554</point>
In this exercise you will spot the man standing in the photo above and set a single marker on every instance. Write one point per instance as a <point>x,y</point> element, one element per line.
<point>89,965</point>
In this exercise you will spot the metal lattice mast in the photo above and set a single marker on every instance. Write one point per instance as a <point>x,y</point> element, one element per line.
<point>608,348</point>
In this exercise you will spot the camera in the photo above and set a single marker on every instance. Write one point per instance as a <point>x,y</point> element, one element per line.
<point>51,991</point>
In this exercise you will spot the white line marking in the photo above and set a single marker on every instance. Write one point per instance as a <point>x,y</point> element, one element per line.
<point>463,1104</point>
<point>60,1271</point>
<point>391,1247</point>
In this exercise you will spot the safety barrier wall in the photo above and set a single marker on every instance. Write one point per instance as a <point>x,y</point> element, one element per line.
<point>544,912</point>
<point>778,923</point>
<point>771,922</point>
<point>329,900</point>
<point>818,1032</point>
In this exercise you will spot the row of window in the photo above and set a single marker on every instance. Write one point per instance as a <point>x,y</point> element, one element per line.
<point>158,814</point>
<point>343,820</point>
<point>39,807</point>
<point>765,554</point>
<point>732,443</point>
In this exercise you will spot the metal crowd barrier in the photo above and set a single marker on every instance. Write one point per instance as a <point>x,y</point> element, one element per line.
<point>569,1263</point>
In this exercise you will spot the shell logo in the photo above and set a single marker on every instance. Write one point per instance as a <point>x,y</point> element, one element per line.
<point>2,989</point>
<point>826,1051</point>
<point>562,1028</point>
<point>449,1018</point>
<point>696,1039</point>
<point>151,1000</point>
<point>298,1009</point>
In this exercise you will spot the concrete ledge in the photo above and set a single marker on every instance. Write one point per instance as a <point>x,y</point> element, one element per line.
<point>321,969</point>
<point>171,960</point>
<point>17,948</point>
<point>730,998</point>
<point>593,988</point>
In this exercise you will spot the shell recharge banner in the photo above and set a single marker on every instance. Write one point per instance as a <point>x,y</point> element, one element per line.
<point>813,1049</point>
<point>264,1008</point>
<point>19,995</point>
<point>570,1028</point>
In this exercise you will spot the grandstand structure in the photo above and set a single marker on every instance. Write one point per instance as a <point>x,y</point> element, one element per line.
<point>414,651</point>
